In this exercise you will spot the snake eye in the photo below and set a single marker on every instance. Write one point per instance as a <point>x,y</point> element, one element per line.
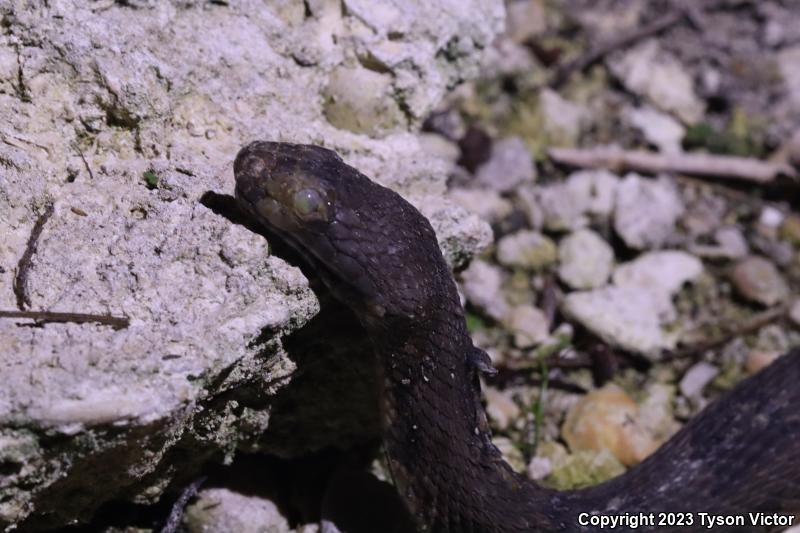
<point>307,202</point>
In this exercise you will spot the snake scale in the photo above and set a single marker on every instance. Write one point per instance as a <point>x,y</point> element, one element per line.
<point>379,256</point>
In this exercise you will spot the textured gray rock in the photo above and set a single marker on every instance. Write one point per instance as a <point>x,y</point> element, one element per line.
<point>696,378</point>
<point>648,71</point>
<point>223,511</point>
<point>528,324</point>
<point>482,284</point>
<point>665,271</point>
<point>646,211</point>
<point>730,244</point>
<point>510,165</point>
<point>758,280</point>
<point>569,204</point>
<point>634,312</point>
<point>526,249</point>
<point>629,317</point>
<point>486,203</point>
<point>562,120</point>
<point>659,129</point>
<point>585,260</point>
<point>127,124</point>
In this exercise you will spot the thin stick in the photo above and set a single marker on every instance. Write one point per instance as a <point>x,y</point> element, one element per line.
<point>85,162</point>
<point>705,165</point>
<point>116,322</point>
<point>24,265</point>
<point>751,325</point>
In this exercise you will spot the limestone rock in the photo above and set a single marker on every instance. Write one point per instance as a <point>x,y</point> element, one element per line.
<point>646,211</point>
<point>757,279</point>
<point>660,129</point>
<point>482,286</point>
<point>585,260</point>
<point>223,511</point>
<point>486,203</point>
<point>628,317</point>
<point>696,378</point>
<point>606,419</point>
<point>526,249</point>
<point>128,128</point>
<point>510,165</point>
<point>650,72</point>
<point>528,324</point>
<point>666,271</point>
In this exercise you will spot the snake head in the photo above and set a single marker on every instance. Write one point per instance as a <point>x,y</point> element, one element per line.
<point>281,185</point>
<point>303,193</point>
<point>373,249</point>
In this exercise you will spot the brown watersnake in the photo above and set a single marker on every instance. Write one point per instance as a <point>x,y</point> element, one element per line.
<point>380,257</point>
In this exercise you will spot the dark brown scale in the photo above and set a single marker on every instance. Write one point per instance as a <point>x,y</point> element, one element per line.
<point>379,255</point>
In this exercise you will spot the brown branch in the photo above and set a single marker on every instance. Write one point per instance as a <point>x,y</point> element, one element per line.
<point>24,265</point>
<point>751,325</point>
<point>697,164</point>
<point>116,322</point>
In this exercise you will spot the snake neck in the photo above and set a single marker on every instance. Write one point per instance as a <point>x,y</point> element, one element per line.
<point>436,436</point>
<point>454,480</point>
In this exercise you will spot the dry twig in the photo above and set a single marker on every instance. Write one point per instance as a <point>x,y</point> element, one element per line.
<point>697,164</point>
<point>116,322</point>
<point>751,325</point>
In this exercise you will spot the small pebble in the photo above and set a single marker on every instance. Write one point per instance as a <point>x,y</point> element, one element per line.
<point>696,378</point>
<point>525,19</point>
<point>646,211</point>
<point>539,468</point>
<point>585,260</point>
<point>759,359</point>
<point>593,191</point>
<point>757,280</point>
<point>439,146</point>
<point>731,241</point>
<point>481,284</point>
<point>225,510</point>
<point>664,270</point>
<point>486,203</point>
<point>660,129</point>
<point>627,317</point>
<point>509,165</point>
<point>500,407</point>
<point>558,208</point>
<point>653,73</point>
<point>562,119</point>
<point>607,419</point>
<point>770,217</point>
<point>528,324</point>
<point>526,249</point>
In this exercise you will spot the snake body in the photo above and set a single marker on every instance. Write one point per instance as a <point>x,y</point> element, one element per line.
<point>379,256</point>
